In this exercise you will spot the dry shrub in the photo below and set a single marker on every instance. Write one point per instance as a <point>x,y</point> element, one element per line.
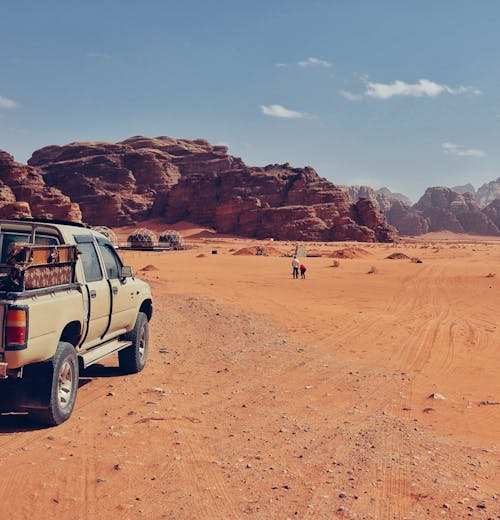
<point>336,263</point>
<point>491,275</point>
<point>415,260</point>
<point>373,270</point>
<point>201,255</point>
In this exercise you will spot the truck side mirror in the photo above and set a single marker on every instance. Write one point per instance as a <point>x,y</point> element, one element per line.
<point>126,271</point>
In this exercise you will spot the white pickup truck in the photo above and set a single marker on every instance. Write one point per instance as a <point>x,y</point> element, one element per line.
<point>66,302</point>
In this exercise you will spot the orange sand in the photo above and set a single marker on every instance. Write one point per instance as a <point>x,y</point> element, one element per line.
<point>272,398</point>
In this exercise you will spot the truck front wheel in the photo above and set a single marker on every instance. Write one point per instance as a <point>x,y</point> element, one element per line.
<point>64,386</point>
<point>133,359</point>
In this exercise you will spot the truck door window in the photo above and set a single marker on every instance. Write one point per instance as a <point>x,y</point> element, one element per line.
<point>111,260</point>
<point>90,262</point>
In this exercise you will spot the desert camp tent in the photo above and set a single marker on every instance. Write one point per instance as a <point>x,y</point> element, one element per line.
<point>142,239</point>
<point>171,238</point>
<point>108,233</point>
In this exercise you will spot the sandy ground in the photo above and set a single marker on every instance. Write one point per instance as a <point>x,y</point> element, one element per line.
<point>267,397</point>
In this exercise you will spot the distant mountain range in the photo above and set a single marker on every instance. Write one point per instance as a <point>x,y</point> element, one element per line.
<point>460,209</point>
<point>484,195</point>
<point>122,183</point>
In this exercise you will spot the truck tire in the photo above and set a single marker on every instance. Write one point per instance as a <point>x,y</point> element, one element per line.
<point>63,381</point>
<point>133,359</point>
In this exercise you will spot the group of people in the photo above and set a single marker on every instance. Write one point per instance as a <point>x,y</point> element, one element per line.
<point>296,267</point>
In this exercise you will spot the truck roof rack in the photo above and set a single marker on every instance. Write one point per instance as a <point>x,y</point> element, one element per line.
<point>50,221</point>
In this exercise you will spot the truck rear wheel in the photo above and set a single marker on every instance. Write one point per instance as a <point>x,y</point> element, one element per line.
<point>64,386</point>
<point>133,359</point>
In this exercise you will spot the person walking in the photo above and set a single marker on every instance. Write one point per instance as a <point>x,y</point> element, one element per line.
<point>295,267</point>
<point>303,270</point>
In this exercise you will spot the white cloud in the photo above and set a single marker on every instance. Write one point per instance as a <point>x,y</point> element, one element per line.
<point>422,87</point>
<point>314,62</point>
<point>461,151</point>
<point>281,65</point>
<point>281,111</point>
<point>350,96</point>
<point>8,103</point>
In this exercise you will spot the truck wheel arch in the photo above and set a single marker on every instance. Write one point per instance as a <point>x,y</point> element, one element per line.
<point>147,308</point>
<point>72,333</point>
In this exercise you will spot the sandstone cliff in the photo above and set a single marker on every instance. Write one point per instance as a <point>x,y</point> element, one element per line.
<point>488,192</point>
<point>126,182</point>
<point>23,193</point>
<point>443,209</point>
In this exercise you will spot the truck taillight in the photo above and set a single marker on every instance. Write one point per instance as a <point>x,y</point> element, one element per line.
<point>15,328</point>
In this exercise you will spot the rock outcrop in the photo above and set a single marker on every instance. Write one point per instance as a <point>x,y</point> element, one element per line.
<point>488,192</point>
<point>121,183</point>
<point>442,209</point>
<point>492,211</point>
<point>465,188</point>
<point>23,193</point>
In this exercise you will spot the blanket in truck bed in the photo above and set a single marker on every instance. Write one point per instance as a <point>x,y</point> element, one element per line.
<point>32,266</point>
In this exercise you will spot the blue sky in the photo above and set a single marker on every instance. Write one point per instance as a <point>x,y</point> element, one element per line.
<point>403,94</point>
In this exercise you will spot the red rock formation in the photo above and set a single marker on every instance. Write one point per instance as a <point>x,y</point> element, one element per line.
<point>492,211</point>
<point>119,183</point>
<point>448,210</point>
<point>407,221</point>
<point>23,193</point>
<point>442,209</point>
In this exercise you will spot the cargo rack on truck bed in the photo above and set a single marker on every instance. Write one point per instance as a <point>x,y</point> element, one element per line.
<point>32,266</point>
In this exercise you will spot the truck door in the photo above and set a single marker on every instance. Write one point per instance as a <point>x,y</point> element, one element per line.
<point>98,292</point>
<point>123,306</point>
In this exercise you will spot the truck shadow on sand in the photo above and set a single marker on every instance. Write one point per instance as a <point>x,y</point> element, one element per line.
<point>15,422</point>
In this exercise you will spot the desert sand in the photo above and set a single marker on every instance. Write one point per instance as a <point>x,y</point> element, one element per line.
<point>369,390</point>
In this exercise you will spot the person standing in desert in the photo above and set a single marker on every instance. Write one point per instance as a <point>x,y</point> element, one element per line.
<point>295,267</point>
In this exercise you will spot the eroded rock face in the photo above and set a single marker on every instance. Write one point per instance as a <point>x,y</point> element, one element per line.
<point>449,210</point>
<point>276,201</point>
<point>492,211</point>
<point>23,193</point>
<point>441,209</point>
<point>178,179</point>
<point>488,192</point>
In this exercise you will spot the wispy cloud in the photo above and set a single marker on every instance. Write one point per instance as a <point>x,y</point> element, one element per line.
<point>7,103</point>
<point>461,151</point>
<point>309,62</point>
<point>421,88</point>
<point>281,112</point>
<point>314,62</point>
<point>350,96</point>
<point>98,55</point>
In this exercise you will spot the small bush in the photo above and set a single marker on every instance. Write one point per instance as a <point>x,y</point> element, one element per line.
<point>336,263</point>
<point>490,275</point>
<point>373,270</point>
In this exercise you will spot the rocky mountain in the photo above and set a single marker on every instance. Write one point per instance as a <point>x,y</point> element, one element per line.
<point>488,192</point>
<point>23,193</point>
<point>442,209</point>
<point>465,188</point>
<point>383,198</point>
<point>123,183</point>
<point>492,211</point>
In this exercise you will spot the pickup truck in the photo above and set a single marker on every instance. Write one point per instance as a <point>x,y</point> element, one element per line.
<point>66,302</point>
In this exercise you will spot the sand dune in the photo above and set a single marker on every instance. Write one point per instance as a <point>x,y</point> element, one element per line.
<point>272,398</point>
